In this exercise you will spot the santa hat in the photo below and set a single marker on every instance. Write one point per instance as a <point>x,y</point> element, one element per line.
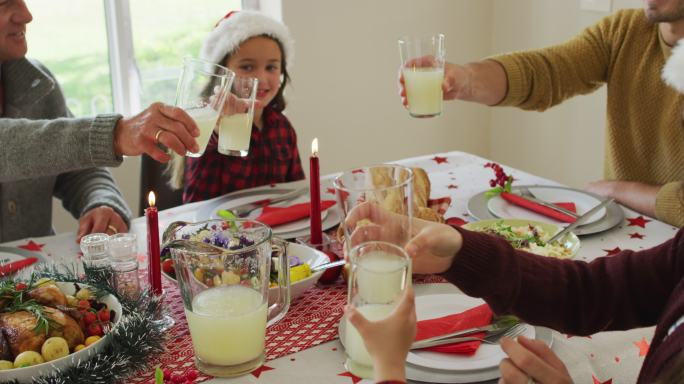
<point>673,71</point>
<point>237,27</point>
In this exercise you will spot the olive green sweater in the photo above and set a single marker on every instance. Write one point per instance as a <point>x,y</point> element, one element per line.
<point>645,132</point>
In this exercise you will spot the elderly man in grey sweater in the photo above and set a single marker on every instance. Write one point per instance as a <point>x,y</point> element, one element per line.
<point>45,152</point>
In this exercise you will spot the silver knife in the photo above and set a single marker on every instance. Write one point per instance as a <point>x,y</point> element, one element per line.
<point>244,209</point>
<point>580,220</point>
<point>325,266</point>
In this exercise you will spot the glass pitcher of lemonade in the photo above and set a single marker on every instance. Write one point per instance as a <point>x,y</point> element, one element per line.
<point>223,271</point>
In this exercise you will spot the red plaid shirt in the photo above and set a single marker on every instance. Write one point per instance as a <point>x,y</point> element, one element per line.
<point>273,158</point>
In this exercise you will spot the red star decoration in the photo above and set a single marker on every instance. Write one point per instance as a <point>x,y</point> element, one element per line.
<point>638,221</point>
<point>355,379</point>
<point>32,246</point>
<point>643,346</point>
<point>636,236</point>
<point>357,171</point>
<point>617,359</point>
<point>597,381</point>
<point>330,191</point>
<point>611,252</point>
<point>440,160</point>
<point>455,221</point>
<point>257,372</point>
<point>452,186</point>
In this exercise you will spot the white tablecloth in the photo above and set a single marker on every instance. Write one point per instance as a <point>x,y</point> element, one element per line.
<point>603,357</point>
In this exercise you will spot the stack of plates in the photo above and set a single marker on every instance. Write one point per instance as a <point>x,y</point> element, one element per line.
<point>433,367</point>
<point>481,208</point>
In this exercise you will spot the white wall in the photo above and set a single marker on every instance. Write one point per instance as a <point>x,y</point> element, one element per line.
<point>565,143</point>
<point>345,89</point>
<point>345,78</point>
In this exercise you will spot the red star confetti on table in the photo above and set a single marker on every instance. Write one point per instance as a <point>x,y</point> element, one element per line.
<point>638,221</point>
<point>357,171</point>
<point>32,246</point>
<point>452,186</point>
<point>611,252</point>
<point>597,381</point>
<point>440,160</point>
<point>636,236</point>
<point>330,191</point>
<point>643,346</point>
<point>257,372</point>
<point>355,379</point>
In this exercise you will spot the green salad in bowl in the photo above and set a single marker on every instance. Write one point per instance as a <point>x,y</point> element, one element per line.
<point>528,235</point>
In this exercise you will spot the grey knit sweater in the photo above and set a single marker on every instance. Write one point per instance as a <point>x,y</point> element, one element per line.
<point>44,153</point>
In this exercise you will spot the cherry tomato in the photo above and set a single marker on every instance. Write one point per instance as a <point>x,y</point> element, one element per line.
<point>89,318</point>
<point>103,315</point>
<point>95,329</point>
<point>167,267</point>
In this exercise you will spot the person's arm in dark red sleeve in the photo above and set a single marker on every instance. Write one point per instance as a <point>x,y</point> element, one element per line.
<point>623,291</point>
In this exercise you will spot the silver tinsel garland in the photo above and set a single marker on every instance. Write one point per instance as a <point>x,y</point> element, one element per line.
<point>135,340</point>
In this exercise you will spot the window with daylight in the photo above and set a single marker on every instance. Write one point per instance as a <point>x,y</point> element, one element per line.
<point>119,55</point>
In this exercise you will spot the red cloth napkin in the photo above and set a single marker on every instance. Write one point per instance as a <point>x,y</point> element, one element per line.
<point>546,211</point>
<point>273,216</point>
<point>10,268</point>
<point>474,317</point>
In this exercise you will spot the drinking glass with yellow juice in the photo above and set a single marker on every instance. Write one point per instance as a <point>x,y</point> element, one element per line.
<point>235,129</point>
<point>422,66</point>
<point>380,273</point>
<point>380,268</point>
<point>223,270</point>
<point>202,90</point>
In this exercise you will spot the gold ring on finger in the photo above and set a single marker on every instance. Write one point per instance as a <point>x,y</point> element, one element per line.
<point>156,136</point>
<point>113,229</point>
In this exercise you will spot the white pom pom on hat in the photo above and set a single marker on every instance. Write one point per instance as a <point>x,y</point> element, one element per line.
<point>673,71</point>
<point>239,26</point>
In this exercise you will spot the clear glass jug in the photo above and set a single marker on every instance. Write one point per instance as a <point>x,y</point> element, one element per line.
<point>223,271</point>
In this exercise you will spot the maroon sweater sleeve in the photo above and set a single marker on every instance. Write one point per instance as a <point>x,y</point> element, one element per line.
<point>619,292</point>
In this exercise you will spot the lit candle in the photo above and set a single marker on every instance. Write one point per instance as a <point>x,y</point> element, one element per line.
<point>315,191</point>
<point>153,262</point>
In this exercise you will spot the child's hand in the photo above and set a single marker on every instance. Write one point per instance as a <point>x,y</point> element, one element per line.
<point>531,360</point>
<point>388,340</point>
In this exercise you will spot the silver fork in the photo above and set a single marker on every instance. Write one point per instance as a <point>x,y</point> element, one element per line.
<point>245,209</point>
<point>492,338</point>
<point>525,192</point>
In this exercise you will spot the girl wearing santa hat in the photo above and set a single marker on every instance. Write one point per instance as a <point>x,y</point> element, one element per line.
<point>250,44</point>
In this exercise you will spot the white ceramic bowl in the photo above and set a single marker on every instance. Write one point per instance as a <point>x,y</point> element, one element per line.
<point>25,375</point>
<point>307,255</point>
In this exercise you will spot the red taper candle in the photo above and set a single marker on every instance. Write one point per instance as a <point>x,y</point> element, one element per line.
<point>315,191</point>
<point>153,257</point>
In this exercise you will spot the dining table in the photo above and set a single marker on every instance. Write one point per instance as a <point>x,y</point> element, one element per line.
<point>304,347</point>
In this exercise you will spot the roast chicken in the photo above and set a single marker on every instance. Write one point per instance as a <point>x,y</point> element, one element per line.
<point>17,328</point>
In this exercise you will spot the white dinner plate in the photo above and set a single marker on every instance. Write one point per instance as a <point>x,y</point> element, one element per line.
<point>433,306</point>
<point>329,218</point>
<point>480,208</point>
<point>583,202</point>
<point>431,375</point>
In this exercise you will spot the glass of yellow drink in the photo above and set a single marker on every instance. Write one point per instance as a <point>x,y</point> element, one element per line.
<point>235,129</point>
<point>202,90</point>
<point>223,269</point>
<point>380,268</point>
<point>422,65</point>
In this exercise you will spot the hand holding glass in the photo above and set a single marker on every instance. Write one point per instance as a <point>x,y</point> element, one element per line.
<point>202,90</point>
<point>380,267</point>
<point>235,130</point>
<point>422,65</point>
